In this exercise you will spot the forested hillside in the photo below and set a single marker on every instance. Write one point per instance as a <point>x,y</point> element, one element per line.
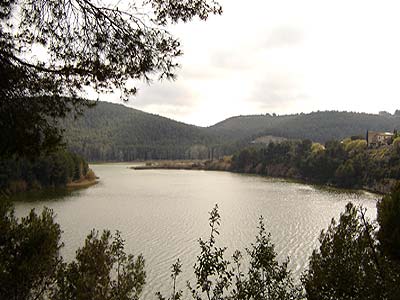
<point>113,132</point>
<point>317,126</point>
<point>347,164</point>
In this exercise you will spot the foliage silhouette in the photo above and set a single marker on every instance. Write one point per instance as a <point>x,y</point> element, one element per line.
<point>85,43</point>
<point>389,223</point>
<point>219,278</point>
<point>349,264</point>
<point>102,270</point>
<point>347,164</point>
<point>29,253</point>
<point>19,174</point>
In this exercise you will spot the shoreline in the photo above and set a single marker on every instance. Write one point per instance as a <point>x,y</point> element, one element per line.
<point>217,166</point>
<point>172,165</point>
<point>83,183</point>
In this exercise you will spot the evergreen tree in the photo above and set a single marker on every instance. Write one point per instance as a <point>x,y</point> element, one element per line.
<point>87,43</point>
<point>29,254</point>
<point>267,278</point>
<point>347,264</point>
<point>389,224</point>
<point>102,270</point>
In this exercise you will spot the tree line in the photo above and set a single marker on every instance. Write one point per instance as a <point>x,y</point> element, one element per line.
<point>319,126</point>
<point>85,44</point>
<point>56,169</point>
<point>349,163</point>
<point>111,132</point>
<point>357,259</point>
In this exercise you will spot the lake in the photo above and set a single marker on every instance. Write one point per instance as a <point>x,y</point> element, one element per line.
<point>162,214</point>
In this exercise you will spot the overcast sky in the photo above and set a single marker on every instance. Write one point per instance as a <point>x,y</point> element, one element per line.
<point>264,56</point>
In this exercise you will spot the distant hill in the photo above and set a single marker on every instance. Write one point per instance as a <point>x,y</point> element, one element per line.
<point>317,126</point>
<point>113,132</point>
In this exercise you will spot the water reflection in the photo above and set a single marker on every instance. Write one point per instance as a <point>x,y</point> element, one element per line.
<point>51,194</point>
<point>162,213</point>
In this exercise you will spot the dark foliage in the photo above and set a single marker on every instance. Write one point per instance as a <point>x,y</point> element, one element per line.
<point>32,268</point>
<point>29,254</point>
<point>29,126</point>
<point>389,224</point>
<point>349,263</point>
<point>86,43</point>
<point>111,132</point>
<point>213,275</point>
<point>348,164</point>
<point>52,170</point>
<point>218,278</point>
<point>267,278</point>
<point>102,270</point>
<point>320,126</point>
<point>345,266</point>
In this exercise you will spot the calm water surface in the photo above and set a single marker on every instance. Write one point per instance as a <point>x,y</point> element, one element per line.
<point>162,213</point>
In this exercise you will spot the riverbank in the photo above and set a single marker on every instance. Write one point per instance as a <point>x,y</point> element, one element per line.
<point>208,165</point>
<point>55,170</point>
<point>21,187</point>
<point>225,164</point>
<point>84,183</point>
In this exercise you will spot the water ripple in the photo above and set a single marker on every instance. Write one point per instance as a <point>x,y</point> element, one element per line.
<point>163,213</point>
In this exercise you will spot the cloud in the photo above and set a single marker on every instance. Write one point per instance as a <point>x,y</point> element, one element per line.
<point>172,99</point>
<point>282,56</point>
<point>161,93</point>
<point>284,36</point>
<point>167,110</point>
<point>197,72</point>
<point>238,59</point>
<point>278,92</point>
